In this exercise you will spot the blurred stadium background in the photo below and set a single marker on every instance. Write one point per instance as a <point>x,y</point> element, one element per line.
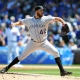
<point>68,45</point>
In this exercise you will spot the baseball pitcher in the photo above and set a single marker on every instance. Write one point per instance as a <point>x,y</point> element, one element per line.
<point>38,27</point>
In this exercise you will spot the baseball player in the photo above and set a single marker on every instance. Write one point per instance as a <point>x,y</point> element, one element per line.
<point>38,27</point>
<point>12,36</point>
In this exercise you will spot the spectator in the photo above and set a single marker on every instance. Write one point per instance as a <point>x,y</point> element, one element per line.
<point>62,43</point>
<point>78,38</point>
<point>2,41</point>
<point>71,34</point>
<point>50,39</point>
<point>2,35</point>
<point>23,38</point>
<point>72,45</point>
<point>68,10</point>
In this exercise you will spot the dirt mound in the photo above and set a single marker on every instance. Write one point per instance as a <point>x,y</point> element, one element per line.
<point>22,76</point>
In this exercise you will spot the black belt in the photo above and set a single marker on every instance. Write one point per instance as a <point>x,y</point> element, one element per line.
<point>38,42</point>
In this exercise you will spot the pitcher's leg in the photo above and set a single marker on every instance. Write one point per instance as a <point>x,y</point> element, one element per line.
<point>51,49</point>
<point>31,46</point>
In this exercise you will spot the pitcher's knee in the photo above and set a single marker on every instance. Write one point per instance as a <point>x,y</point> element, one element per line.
<point>20,57</point>
<point>56,54</point>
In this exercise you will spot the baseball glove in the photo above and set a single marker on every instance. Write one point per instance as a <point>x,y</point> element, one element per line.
<point>64,30</point>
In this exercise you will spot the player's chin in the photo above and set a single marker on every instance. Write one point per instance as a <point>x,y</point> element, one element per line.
<point>41,14</point>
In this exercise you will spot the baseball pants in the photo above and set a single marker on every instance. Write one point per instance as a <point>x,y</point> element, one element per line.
<point>13,51</point>
<point>32,46</point>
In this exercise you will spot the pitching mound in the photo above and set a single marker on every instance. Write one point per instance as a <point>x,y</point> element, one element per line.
<point>21,76</point>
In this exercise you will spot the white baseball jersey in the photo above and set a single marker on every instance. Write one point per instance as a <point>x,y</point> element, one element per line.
<point>38,27</point>
<point>38,31</point>
<point>11,34</point>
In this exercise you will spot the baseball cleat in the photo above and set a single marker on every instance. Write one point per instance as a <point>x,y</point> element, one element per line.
<point>4,70</point>
<point>63,73</point>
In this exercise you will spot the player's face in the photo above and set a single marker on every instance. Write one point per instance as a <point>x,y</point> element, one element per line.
<point>40,13</point>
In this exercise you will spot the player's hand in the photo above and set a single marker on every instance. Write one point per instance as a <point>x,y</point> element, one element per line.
<point>64,30</point>
<point>20,43</point>
<point>12,24</point>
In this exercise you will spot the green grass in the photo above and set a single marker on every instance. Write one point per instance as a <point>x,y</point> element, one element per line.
<point>76,72</point>
<point>50,71</point>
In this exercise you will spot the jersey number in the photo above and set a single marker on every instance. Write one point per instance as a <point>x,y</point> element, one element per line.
<point>42,31</point>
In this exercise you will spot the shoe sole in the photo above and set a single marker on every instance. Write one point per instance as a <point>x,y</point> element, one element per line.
<point>66,74</point>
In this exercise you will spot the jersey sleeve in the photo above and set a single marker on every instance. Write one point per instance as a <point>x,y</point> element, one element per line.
<point>50,18</point>
<point>24,21</point>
